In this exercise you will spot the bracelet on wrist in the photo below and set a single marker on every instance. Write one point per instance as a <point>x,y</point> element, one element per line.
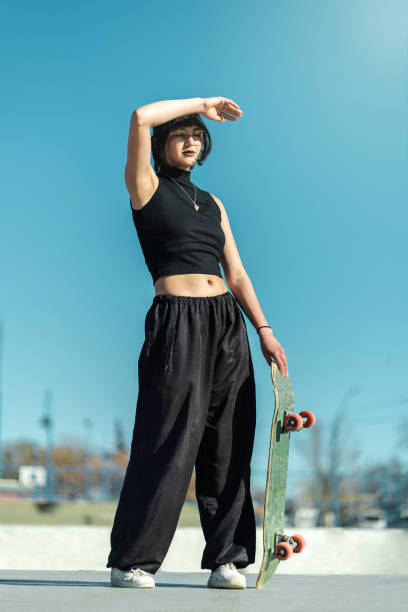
<point>264,326</point>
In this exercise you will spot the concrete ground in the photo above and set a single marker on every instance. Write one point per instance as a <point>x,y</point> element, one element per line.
<point>89,591</point>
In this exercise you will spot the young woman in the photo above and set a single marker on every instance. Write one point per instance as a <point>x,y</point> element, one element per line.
<point>196,405</point>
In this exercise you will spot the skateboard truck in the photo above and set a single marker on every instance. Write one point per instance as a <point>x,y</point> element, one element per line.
<point>295,422</point>
<point>285,545</point>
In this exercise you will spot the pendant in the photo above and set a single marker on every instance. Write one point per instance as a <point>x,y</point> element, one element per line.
<point>196,206</point>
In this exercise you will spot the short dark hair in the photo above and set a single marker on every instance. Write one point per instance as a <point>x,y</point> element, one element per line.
<point>161,132</point>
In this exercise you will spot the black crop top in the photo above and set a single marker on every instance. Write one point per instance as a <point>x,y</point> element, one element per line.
<point>175,238</point>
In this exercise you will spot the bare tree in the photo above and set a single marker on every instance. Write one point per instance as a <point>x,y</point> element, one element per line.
<point>119,436</point>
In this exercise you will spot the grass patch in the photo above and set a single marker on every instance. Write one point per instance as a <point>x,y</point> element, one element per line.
<point>77,513</point>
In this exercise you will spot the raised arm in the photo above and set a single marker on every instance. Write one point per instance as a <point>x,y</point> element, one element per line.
<point>157,113</point>
<point>140,177</point>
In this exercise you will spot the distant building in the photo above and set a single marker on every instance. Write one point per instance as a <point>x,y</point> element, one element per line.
<point>32,475</point>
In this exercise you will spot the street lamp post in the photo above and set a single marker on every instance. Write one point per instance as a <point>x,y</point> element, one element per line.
<point>87,423</point>
<point>47,423</point>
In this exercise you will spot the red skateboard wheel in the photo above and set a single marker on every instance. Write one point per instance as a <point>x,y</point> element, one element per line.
<point>300,543</point>
<point>293,422</point>
<point>310,418</point>
<point>282,551</point>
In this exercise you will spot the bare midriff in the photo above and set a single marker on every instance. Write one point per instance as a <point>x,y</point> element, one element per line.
<point>194,285</point>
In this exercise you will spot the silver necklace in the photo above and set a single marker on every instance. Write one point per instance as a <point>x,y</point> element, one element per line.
<point>196,206</point>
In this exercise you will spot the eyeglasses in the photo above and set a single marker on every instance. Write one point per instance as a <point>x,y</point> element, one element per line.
<point>183,136</point>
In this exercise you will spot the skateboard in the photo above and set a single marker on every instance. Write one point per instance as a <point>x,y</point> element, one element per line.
<point>278,546</point>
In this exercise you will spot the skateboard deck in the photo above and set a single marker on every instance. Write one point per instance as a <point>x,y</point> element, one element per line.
<point>277,546</point>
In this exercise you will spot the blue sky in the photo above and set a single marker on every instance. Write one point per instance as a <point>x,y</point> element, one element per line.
<point>313,178</point>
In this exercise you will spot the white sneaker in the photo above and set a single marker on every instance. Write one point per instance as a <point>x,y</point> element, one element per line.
<point>226,577</point>
<point>134,577</point>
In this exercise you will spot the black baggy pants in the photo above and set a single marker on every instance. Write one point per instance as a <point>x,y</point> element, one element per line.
<point>196,407</point>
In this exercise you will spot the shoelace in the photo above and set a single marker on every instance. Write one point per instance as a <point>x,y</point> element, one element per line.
<point>229,565</point>
<point>135,571</point>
